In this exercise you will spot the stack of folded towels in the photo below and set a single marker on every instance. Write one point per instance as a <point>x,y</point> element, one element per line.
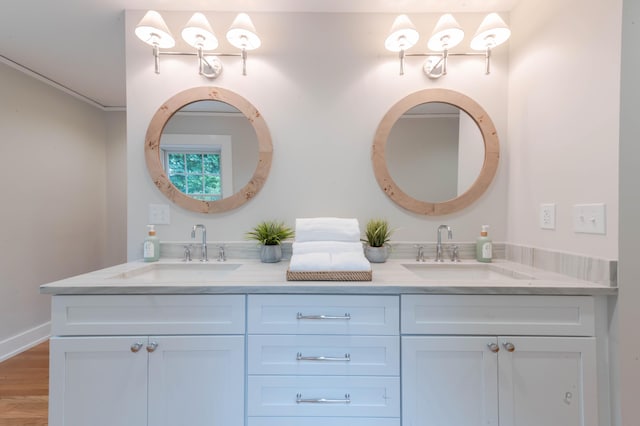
<point>328,244</point>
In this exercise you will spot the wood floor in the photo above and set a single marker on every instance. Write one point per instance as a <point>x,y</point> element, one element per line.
<point>24,388</point>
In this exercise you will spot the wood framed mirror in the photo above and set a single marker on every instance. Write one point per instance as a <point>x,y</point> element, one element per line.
<point>205,102</point>
<point>435,152</point>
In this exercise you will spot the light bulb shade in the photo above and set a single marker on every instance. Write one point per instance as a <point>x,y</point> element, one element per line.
<point>446,35</point>
<point>492,32</point>
<point>242,34</point>
<point>198,33</point>
<point>402,36</point>
<point>152,30</point>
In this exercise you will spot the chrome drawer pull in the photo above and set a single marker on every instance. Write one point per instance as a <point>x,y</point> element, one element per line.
<point>299,357</point>
<point>322,317</point>
<point>300,400</point>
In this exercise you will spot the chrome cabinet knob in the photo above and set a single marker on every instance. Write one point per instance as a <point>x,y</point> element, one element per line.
<point>509,346</point>
<point>136,347</point>
<point>493,347</point>
<point>152,346</point>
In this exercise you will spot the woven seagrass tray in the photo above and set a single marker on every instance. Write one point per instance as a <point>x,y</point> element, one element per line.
<point>328,275</point>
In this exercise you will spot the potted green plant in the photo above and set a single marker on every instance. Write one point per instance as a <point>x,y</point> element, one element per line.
<point>270,234</point>
<point>377,236</point>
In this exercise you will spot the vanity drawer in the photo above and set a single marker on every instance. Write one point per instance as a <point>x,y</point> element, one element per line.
<point>324,355</point>
<point>323,396</point>
<point>323,421</point>
<point>148,314</point>
<point>320,314</point>
<point>497,315</point>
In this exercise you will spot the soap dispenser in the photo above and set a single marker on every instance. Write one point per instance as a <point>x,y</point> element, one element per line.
<point>484,248</point>
<point>151,247</point>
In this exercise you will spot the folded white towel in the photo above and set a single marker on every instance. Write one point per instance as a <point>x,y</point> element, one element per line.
<point>332,247</point>
<point>310,262</point>
<point>349,262</point>
<point>327,229</point>
<point>319,262</point>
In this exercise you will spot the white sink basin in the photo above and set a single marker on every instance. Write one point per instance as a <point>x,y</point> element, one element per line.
<point>462,271</point>
<point>178,272</point>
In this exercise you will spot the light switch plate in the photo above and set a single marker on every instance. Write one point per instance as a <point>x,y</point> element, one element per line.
<point>548,216</point>
<point>589,218</point>
<point>159,214</point>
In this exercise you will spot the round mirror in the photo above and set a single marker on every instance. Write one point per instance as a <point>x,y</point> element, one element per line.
<point>435,152</point>
<point>208,150</point>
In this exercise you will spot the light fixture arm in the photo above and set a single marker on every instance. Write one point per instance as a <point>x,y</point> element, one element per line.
<point>436,69</point>
<point>210,61</point>
<point>445,57</point>
<point>156,58</point>
<point>401,56</point>
<point>244,61</point>
<point>487,61</point>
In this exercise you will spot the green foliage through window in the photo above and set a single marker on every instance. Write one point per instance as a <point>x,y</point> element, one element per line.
<point>196,174</point>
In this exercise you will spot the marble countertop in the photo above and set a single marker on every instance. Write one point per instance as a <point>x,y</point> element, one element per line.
<point>393,277</point>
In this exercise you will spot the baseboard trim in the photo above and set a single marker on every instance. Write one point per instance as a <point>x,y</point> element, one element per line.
<point>23,341</point>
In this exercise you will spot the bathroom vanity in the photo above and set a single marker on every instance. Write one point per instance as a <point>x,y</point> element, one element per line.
<point>229,343</point>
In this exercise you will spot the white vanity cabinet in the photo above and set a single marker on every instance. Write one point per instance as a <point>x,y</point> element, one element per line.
<point>147,360</point>
<point>498,360</point>
<point>326,359</point>
<point>316,360</point>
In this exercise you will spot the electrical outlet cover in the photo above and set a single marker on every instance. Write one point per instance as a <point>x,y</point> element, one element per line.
<point>548,216</point>
<point>159,214</point>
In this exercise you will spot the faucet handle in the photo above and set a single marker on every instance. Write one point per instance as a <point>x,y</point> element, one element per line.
<point>420,255</point>
<point>455,253</point>
<point>187,253</point>
<point>222,257</point>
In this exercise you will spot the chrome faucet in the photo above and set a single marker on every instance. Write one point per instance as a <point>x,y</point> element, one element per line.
<point>222,256</point>
<point>420,255</point>
<point>204,258</point>
<point>439,256</point>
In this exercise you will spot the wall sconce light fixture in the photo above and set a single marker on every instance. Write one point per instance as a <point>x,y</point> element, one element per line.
<point>446,35</point>
<point>198,33</point>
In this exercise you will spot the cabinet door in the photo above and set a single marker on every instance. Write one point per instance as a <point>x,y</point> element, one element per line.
<point>196,380</point>
<point>547,381</point>
<point>98,381</point>
<point>449,381</point>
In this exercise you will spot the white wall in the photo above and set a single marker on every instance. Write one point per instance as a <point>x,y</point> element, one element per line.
<point>422,152</point>
<point>116,164</point>
<point>564,89</point>
<point>322,82</point>
<point>54,199</point>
